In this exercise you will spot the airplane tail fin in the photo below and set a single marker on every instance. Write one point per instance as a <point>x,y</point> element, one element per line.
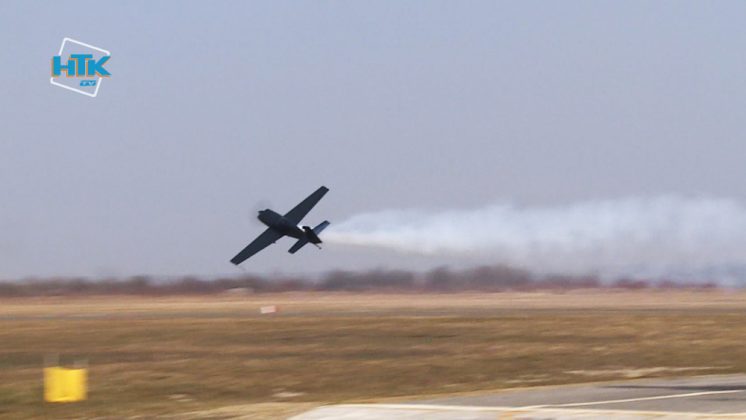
<point>319,228</point>
<point>312,236</point>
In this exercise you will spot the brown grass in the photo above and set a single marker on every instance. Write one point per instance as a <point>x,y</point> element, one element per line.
<point>155,356</point>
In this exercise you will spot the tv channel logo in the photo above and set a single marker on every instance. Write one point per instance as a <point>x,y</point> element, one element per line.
<point>80,67</point>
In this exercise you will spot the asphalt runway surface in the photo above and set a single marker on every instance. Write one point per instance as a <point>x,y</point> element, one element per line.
<point>712,396</point>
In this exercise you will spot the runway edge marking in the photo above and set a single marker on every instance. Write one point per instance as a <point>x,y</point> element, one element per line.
<point>539,409</point>
<point>658,397</point>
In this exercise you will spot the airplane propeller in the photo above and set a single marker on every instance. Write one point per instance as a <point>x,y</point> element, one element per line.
<point>256,208</point>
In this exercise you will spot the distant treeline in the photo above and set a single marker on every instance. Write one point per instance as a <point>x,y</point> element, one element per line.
<point>443,280</point>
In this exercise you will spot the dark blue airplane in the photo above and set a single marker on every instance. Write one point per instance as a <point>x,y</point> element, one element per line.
<point>287,225</point>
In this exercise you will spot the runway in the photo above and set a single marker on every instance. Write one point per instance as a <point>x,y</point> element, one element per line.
<point>712,396</point>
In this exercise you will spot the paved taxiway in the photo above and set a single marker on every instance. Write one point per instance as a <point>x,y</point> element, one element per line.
<point>712,396</point>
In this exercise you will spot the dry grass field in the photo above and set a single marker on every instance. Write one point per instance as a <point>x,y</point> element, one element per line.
<point>217,357</point>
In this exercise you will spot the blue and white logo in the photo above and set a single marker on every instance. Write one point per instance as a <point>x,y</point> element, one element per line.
<point>80,67</point>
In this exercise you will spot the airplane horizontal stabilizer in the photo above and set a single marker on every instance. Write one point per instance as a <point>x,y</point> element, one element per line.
<point>311,235</point>
<point>298,245</point>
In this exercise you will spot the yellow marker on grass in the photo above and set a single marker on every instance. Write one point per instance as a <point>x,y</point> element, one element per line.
<point>65,384</point>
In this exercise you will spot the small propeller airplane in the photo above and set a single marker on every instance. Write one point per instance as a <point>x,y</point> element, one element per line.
<point>287,225</point>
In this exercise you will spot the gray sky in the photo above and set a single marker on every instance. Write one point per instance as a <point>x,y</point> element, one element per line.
<point>213,107</point>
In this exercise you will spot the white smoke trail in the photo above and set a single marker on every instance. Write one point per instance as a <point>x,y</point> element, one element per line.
<point>662,236</point>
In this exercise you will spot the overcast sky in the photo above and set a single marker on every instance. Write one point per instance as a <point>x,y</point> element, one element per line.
<point>215,107</point>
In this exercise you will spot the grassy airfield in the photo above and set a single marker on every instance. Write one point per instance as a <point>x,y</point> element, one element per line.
<point>217,357</point>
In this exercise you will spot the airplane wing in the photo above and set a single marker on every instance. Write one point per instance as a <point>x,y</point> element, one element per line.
<point>301,210</point>
<point>267,238</point>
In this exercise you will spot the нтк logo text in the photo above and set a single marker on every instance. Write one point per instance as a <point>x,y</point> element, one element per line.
<point>80,65</point>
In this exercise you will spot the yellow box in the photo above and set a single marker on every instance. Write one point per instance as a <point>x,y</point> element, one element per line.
<point>65,385</point>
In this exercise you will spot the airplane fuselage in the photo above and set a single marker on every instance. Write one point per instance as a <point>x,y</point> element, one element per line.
<point>279,223</point>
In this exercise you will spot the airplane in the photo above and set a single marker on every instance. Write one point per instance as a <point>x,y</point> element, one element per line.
<point>287,225</point>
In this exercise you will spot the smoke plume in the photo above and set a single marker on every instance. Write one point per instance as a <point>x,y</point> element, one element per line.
<point>670,236</point>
